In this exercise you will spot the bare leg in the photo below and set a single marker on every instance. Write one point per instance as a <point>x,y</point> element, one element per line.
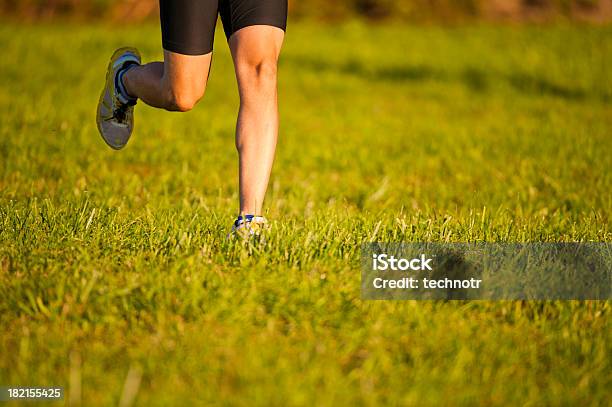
<point>255,50</point>
<point>175,84</point>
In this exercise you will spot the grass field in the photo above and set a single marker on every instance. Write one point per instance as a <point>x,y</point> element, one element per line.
<point>116,262</point>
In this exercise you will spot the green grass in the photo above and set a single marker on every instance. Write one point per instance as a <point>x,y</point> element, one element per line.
<point>111,261</point>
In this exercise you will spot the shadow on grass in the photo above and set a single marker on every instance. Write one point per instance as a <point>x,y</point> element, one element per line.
<point>475,79</point>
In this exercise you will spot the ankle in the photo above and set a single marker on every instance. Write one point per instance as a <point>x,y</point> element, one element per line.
<point>126,81</point>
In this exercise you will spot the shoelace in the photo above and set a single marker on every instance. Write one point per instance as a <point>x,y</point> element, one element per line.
<point>119,114</point>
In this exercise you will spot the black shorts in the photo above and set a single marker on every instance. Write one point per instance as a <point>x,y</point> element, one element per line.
<point>188,26</point>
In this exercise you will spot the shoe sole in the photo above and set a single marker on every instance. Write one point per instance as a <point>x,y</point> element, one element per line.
<point>109,71</point>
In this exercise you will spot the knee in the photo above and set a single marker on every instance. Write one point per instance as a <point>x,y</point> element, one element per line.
<point>260,71</point>
<point>183,99</point>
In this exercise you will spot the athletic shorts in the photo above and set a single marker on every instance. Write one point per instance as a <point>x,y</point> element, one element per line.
<point>188,26</point>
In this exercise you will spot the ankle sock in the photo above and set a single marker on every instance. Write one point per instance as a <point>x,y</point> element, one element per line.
<point>124,96</point>
<point>243,219</point>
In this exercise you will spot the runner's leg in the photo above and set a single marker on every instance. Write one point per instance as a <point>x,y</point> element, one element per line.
<point>255,50</point>
<point>188,28</point>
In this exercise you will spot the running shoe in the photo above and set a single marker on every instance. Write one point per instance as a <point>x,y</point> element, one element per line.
<point>248,226</point>
<point>115,116</point>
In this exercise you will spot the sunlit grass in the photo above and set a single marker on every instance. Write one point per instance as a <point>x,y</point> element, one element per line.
<point>111,260</point>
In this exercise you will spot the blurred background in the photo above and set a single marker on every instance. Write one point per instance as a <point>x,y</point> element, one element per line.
<point>405,10</point>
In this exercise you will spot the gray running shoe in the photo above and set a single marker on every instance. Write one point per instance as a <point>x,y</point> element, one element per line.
<point>248,226</point>
<point>115,116</point>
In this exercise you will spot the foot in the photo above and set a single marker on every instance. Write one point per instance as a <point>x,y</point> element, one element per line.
<point>247,226</point>
<point>115,116</point>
